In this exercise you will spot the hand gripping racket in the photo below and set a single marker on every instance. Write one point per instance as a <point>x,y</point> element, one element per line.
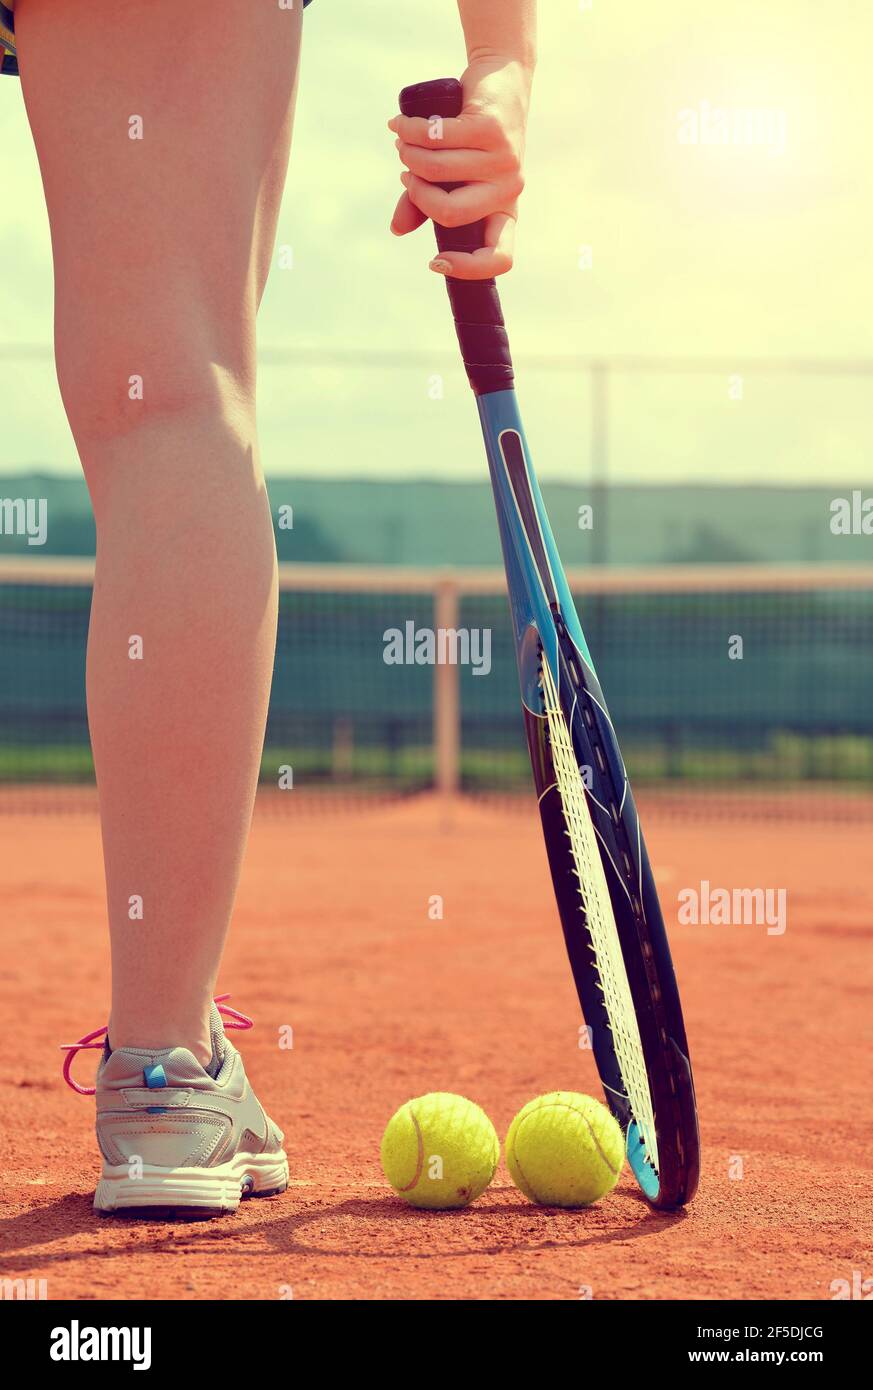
<point>606,894</point>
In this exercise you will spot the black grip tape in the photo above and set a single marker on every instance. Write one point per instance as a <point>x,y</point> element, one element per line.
<point>475,303</point>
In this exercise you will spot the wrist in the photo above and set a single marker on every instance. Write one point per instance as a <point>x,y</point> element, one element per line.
<point>518,64</point>
<point>513,75</point>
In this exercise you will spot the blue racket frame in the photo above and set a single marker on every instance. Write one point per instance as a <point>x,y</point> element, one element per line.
<point>546,627</point>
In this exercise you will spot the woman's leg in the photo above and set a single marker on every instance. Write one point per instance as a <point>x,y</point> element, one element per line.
<point>162,131</point>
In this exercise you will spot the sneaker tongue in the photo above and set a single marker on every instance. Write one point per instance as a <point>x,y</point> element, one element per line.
<point>219,1042</point>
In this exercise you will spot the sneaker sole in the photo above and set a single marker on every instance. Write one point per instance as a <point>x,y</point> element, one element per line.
<point>206,1190</point>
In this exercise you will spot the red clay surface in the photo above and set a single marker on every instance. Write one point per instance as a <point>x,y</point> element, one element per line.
<point>332,936</point>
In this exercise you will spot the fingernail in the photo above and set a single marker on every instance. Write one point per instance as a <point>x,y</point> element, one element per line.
<point>440,266</point>
<point>404,178</point>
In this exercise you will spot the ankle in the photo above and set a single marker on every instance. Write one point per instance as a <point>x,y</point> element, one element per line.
<point>156,1035</point>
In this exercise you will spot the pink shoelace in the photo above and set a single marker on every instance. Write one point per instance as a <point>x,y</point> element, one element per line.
<point>232,1019</point>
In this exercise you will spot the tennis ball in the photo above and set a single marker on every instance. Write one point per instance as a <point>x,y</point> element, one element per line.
<point>564,1150</point>
<point>439,1151</point>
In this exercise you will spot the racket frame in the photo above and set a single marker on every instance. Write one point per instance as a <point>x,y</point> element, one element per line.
<point>546,627</point>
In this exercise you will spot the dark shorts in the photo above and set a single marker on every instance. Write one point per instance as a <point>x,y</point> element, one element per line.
<point>9,64</point>
<point>7,42</point>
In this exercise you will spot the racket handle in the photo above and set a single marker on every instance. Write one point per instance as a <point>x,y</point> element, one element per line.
<point>475,303</point>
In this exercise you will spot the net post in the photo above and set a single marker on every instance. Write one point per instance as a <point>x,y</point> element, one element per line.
<point>446,695</point>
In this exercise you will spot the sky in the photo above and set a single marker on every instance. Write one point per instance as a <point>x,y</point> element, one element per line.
<point>698,196</point>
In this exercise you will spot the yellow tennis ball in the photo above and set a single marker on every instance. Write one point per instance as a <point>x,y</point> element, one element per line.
<point>565,1150</point>
<point>439,1151</point>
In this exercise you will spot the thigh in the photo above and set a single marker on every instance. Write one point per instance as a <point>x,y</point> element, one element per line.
<point>162,130</point>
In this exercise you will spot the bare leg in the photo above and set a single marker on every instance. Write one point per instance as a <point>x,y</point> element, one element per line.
<point>161,248</point>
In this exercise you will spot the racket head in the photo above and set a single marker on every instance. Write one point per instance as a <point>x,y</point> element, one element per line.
<point>613,927</point>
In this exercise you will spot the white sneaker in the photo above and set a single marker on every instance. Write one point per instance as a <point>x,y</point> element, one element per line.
<point>174,1136</point>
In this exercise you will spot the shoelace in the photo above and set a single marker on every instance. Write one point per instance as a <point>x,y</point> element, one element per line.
<point>232,1019</point>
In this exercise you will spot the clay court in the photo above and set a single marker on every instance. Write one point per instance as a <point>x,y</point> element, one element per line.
<point>332,937</point>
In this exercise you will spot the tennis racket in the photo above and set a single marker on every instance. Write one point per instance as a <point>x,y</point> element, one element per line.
<point>8,57</point>
<point>603,883</point>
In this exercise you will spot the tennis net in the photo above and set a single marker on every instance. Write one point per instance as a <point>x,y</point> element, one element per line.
<point>719,678</point>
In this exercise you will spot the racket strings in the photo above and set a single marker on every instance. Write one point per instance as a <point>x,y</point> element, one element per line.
<point>596,905</point>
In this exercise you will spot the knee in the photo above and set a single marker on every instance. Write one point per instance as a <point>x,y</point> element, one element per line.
<point>151,440</point>
<point>112,393</point>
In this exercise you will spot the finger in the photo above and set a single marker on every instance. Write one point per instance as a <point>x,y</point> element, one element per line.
<point>406,216</point>
<point>452,166</point>
<point>455,209</point>
<point>494,258</point>
<point>467,132</point>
